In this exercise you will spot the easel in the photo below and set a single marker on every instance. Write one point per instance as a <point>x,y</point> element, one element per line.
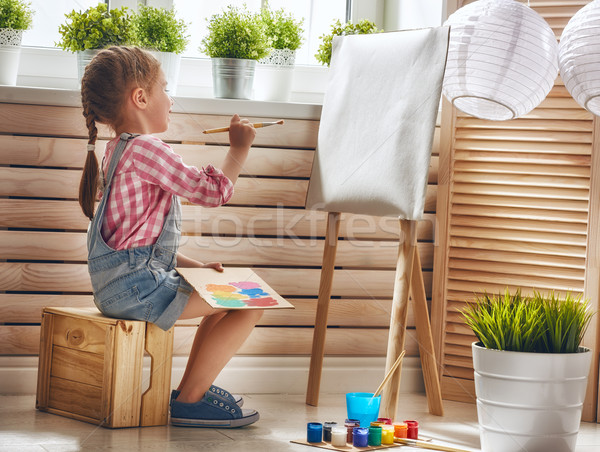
<point>385,147</point>
<point>408,278</point>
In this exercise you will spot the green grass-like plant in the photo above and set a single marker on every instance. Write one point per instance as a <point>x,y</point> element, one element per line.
<point>159,29</point>
<point>95,28</point>
<point>284,31</point>
<point>337,29</point>
<point>15,14</point>
<point>236,33</point>
<point>541,323</point>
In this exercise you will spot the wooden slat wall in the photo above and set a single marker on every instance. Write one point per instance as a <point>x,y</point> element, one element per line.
<point>265,226</point>
<point>513,212</point>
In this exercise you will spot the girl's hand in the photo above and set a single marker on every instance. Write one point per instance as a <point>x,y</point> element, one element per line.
<point>216,265</point>
<point>241,133</point>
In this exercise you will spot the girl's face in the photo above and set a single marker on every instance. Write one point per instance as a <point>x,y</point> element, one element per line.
<point>159,106</point>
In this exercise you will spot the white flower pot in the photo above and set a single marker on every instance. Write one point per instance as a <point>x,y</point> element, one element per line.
<point>10,52</point>
<point>274,76</point>
<point>170,63</point>
<point>529,402</point>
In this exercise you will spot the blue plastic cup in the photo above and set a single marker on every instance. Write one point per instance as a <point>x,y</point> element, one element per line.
<point>363,406</point>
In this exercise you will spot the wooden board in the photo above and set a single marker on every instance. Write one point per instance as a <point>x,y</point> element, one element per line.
<point>284,341</point>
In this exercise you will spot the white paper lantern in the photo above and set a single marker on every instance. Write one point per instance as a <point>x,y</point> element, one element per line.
<point>502,59</point>
<point>579,57</point>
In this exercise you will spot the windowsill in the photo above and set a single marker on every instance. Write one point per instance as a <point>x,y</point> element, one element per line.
<point>182,104</point>
<point>58,85</point>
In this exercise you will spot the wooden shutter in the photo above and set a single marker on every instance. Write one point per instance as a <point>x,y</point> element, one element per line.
<point>513,204</point>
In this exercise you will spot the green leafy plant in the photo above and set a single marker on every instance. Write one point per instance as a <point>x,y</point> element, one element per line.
<point>95,28</point>
<point>284,31</point>
<point>236,33</point>
<point>159,29</point>
<point>337,29</point>
<point>15,14</point>
<point>541,323</point>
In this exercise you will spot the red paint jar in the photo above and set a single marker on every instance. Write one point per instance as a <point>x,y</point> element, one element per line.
<point>350,424</point>
<point>413,429</point>
<point>384,420</point>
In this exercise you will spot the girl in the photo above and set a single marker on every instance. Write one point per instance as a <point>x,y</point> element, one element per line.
<point>134,235</point>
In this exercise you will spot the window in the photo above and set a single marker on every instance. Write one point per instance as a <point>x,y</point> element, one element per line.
<point>44,65</point>
<point>47,18</point>
<point>318,16</point>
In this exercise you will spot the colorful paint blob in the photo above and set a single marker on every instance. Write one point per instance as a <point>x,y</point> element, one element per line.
<point>240,294</point>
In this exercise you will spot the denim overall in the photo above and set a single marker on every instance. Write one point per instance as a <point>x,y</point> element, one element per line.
<point>138,283</point>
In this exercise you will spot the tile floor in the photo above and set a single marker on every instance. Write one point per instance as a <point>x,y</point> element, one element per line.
<point>283,418</point>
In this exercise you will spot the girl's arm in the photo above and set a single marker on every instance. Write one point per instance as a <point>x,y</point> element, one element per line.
<point>241,136</point>
<point>185,262</point>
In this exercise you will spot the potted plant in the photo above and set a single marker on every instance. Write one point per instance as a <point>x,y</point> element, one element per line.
<point>275,71</point>
<point>15,17</point>
<point>530,370</point>
<point>236,40</point>
<point>92,30</point>
<point>159,31</point>
<point>337,29</point>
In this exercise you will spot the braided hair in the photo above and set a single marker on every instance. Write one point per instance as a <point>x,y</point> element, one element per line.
<point>107,81</point>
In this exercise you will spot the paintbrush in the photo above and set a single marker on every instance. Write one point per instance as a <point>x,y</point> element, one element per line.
<point>389,374</point>
<point>424,445</point>
<point>256,125</point>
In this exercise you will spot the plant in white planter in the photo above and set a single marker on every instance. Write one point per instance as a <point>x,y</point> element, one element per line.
<point>15,17</point>
<point>96,28</point>
<point>159,31</point>
<point>236,40</point>
<point>530,370</point>
<point>275,71</point>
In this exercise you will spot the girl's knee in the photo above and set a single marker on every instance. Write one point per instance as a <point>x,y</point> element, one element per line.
<point>253,315</point>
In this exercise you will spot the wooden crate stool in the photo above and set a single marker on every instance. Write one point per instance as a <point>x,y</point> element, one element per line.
<point>90,368</point>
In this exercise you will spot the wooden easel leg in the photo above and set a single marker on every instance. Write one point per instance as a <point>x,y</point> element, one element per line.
<point>325,285</point>
<point>398,320</point>
<point>155,401</point>
<point>425,340</point>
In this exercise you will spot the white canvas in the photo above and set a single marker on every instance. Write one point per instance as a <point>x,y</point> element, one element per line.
<point>378,122</point>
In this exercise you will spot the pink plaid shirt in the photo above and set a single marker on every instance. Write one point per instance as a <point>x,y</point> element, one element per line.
<point>147,176</point>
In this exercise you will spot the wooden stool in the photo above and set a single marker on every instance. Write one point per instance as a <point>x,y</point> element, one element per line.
<point>90,368</point>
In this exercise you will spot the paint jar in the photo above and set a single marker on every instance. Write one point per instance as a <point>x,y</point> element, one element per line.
<point>350,424</point>
<point>338,436</point>
<point>375,436</point>
<point>363,406</point>
<point>314,432</point>
<point>376,424</point>
<point>360,437</point>
<point>400,430</point>
<point>413,429</point>
<point>384,420</point>
<point>387,434</point>
<point>327,426</point>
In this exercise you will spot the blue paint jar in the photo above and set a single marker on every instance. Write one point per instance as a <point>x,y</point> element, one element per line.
<point>360,437</point>
<point>314,432</point>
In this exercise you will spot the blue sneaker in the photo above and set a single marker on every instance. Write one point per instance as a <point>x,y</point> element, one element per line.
<point>238,399</point>
<point>212,411</point>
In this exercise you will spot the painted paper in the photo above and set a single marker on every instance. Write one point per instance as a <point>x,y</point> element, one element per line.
<point>234,288</point>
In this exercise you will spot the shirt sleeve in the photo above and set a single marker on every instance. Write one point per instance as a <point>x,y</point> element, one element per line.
<point>155,162</point>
